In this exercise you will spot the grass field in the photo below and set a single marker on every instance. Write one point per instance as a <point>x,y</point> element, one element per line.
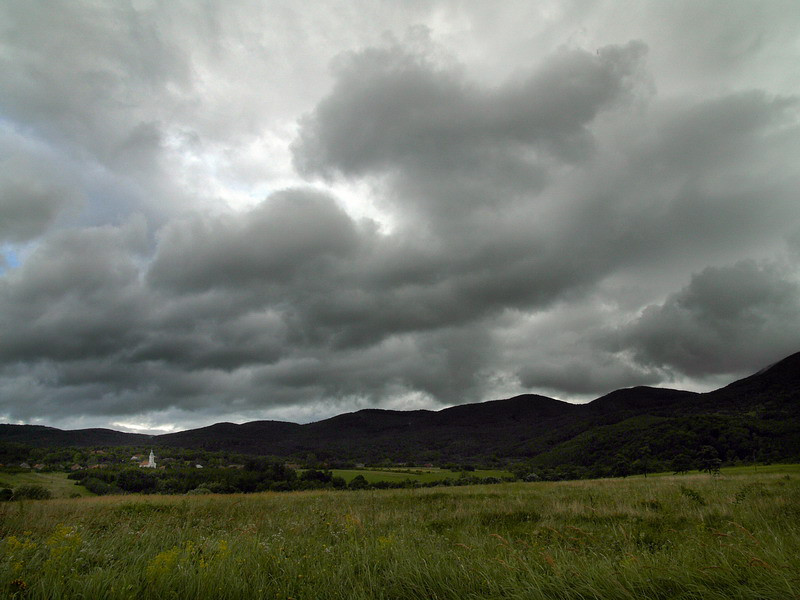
<point>57,483</point>
<point>421,474</point>
<point>736,536</point>
<point>741,470</point>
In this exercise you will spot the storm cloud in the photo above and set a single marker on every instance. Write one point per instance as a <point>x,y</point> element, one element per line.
<point>724,320</point>
<point>228,212</point>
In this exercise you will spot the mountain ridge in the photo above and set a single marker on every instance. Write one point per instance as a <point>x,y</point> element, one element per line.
<point>750,410</point>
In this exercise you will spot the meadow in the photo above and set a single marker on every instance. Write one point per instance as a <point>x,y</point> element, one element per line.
<point>57,483</point>
<point>692,536</point>
<point>421,474</point>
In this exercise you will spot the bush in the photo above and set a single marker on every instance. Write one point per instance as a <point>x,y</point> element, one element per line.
<point>96,486</point>
<point>359,483</point>
<point>6,494</point>
<point>31,492</point>
<point>136,480</point>
<point>318,476</point>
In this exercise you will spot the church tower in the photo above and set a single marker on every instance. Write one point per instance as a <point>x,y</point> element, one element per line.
<point>151,464</point>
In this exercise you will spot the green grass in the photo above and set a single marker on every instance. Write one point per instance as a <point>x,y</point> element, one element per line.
<point>762,469</point>
<point>732,537</point>
<point>57,483</point>
<point>741,470</point>
<point>421,474</point>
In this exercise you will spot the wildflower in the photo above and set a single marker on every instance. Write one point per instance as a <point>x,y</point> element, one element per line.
<point>64,540</point>
<point>222,549</point>
<point>163,563</point>
<point>19,584</point>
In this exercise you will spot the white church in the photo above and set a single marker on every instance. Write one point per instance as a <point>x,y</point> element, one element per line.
<point>151,463</point>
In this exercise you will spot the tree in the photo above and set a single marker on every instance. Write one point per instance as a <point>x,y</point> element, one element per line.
<point>681,464</point>
<point>136,480</point>
<point>708,460</point>
<point>644,463</point>
<point>620,467</point>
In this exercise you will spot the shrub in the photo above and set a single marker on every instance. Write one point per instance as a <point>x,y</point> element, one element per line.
<point>359,483</point>
<point>96,486</point>
<point>693,495</point>
<point>31,492</point>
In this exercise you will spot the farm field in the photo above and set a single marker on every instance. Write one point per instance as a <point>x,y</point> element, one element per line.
<point>692,536</point>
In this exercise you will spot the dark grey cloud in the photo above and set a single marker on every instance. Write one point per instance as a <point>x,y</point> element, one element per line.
<point>271,243</point>
<point>586,375</point>
<point>400,113</point>
<point>724,321</point>
<point>464,169</point>
<point>210,226</point>
<point>35,189</point>
<point>77,296</point>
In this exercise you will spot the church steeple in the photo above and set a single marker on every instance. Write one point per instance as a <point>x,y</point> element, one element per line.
<point>152,462</point>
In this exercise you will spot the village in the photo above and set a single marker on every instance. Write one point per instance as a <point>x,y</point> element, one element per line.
<point>79,459</point>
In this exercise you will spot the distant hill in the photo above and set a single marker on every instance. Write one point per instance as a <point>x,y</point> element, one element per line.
<point>38,435</point>
<point>755,417</point>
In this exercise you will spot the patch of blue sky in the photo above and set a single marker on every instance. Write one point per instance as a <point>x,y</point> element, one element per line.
<point>9,259</point>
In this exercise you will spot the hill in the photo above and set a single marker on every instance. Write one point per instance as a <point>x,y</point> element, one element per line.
<point>755,417</point>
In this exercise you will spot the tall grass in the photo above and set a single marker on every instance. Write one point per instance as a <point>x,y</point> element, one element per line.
<point>670,537</point>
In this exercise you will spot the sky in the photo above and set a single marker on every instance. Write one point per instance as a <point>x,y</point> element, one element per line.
<point>230,211</point>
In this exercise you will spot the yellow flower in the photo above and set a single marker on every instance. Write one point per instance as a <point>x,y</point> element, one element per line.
<point>163,563</point>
